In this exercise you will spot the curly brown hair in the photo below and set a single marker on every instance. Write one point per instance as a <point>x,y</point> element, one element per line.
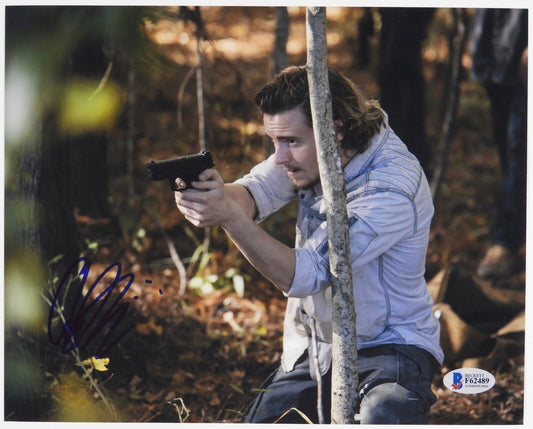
<point>361,119</point>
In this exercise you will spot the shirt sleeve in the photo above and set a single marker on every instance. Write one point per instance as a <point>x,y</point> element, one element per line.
<point>270,187</point>
<point>376,223</point>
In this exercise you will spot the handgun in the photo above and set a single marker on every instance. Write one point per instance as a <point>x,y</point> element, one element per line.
<point>186,168</point>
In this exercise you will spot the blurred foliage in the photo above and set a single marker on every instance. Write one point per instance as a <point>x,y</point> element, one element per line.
<point>23,307</point>
<point>204,284</point>
<point>75,402</point>
<point>42,43</point>
<point>84,109</point>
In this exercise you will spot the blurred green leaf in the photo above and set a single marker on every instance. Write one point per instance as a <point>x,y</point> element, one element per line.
<point>84,110</point>
<point>237,389</point>
<point>23,304</point>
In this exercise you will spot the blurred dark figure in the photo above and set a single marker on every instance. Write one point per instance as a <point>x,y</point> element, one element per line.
<point>400,78</point>
<point>365,30</point>
<point>499,41</point>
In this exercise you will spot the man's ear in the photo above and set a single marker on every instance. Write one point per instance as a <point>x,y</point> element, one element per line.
<point>337,124</point>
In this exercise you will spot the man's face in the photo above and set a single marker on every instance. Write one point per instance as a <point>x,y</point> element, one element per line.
<point>294,145</point>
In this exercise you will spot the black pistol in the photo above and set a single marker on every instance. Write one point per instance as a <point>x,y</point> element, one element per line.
<point>185,167</point>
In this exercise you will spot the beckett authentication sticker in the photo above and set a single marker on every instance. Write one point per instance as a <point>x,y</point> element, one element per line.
<point>469,380</point>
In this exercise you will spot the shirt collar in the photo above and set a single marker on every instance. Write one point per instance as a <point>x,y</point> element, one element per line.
<point>360,161</point>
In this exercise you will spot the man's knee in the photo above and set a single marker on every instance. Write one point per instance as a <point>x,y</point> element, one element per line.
<point>390,403</point>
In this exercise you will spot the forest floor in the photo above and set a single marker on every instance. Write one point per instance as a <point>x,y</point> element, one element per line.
<point>200,353</point>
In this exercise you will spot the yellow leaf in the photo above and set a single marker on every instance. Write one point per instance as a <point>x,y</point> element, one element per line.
<point>261,330</point>
<point>98,364</point>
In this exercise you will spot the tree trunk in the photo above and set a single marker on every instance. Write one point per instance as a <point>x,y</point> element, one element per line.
<point>344,345</point>
<point>200,80</point>
<point>279,56</point>
<point>452,101</point>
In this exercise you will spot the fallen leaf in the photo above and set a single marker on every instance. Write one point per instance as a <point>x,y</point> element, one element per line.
<point>98,364</point>
<point>149,328</point>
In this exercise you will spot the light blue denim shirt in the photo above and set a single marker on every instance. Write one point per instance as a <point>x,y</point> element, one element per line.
<point>389,208</point>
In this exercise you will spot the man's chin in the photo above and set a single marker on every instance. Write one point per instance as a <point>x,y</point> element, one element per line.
<point>304,186</point>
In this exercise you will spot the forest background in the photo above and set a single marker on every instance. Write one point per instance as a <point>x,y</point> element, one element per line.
<point>93,94</point>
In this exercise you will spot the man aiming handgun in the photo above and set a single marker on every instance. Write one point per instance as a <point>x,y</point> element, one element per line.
<point>389,208</point>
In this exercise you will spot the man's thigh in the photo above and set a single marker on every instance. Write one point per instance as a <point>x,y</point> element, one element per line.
<point>285,392</point>
<point>396,385</point>
<point>391,403</point>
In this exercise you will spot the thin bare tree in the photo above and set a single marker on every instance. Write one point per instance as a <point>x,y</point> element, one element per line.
<point>279,55</point>
<point>452,101</point>
<point>344,344</point>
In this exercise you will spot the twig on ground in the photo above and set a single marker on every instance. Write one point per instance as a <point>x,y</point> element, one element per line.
<point>173,254</point>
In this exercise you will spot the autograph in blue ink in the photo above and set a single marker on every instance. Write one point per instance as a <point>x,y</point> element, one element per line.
<point>95,319</point>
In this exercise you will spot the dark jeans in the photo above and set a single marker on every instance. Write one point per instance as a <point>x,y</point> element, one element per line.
<point>509,122</point>
<point>394,386</point>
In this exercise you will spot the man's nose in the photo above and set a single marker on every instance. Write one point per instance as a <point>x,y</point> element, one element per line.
<point>281,154</point>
